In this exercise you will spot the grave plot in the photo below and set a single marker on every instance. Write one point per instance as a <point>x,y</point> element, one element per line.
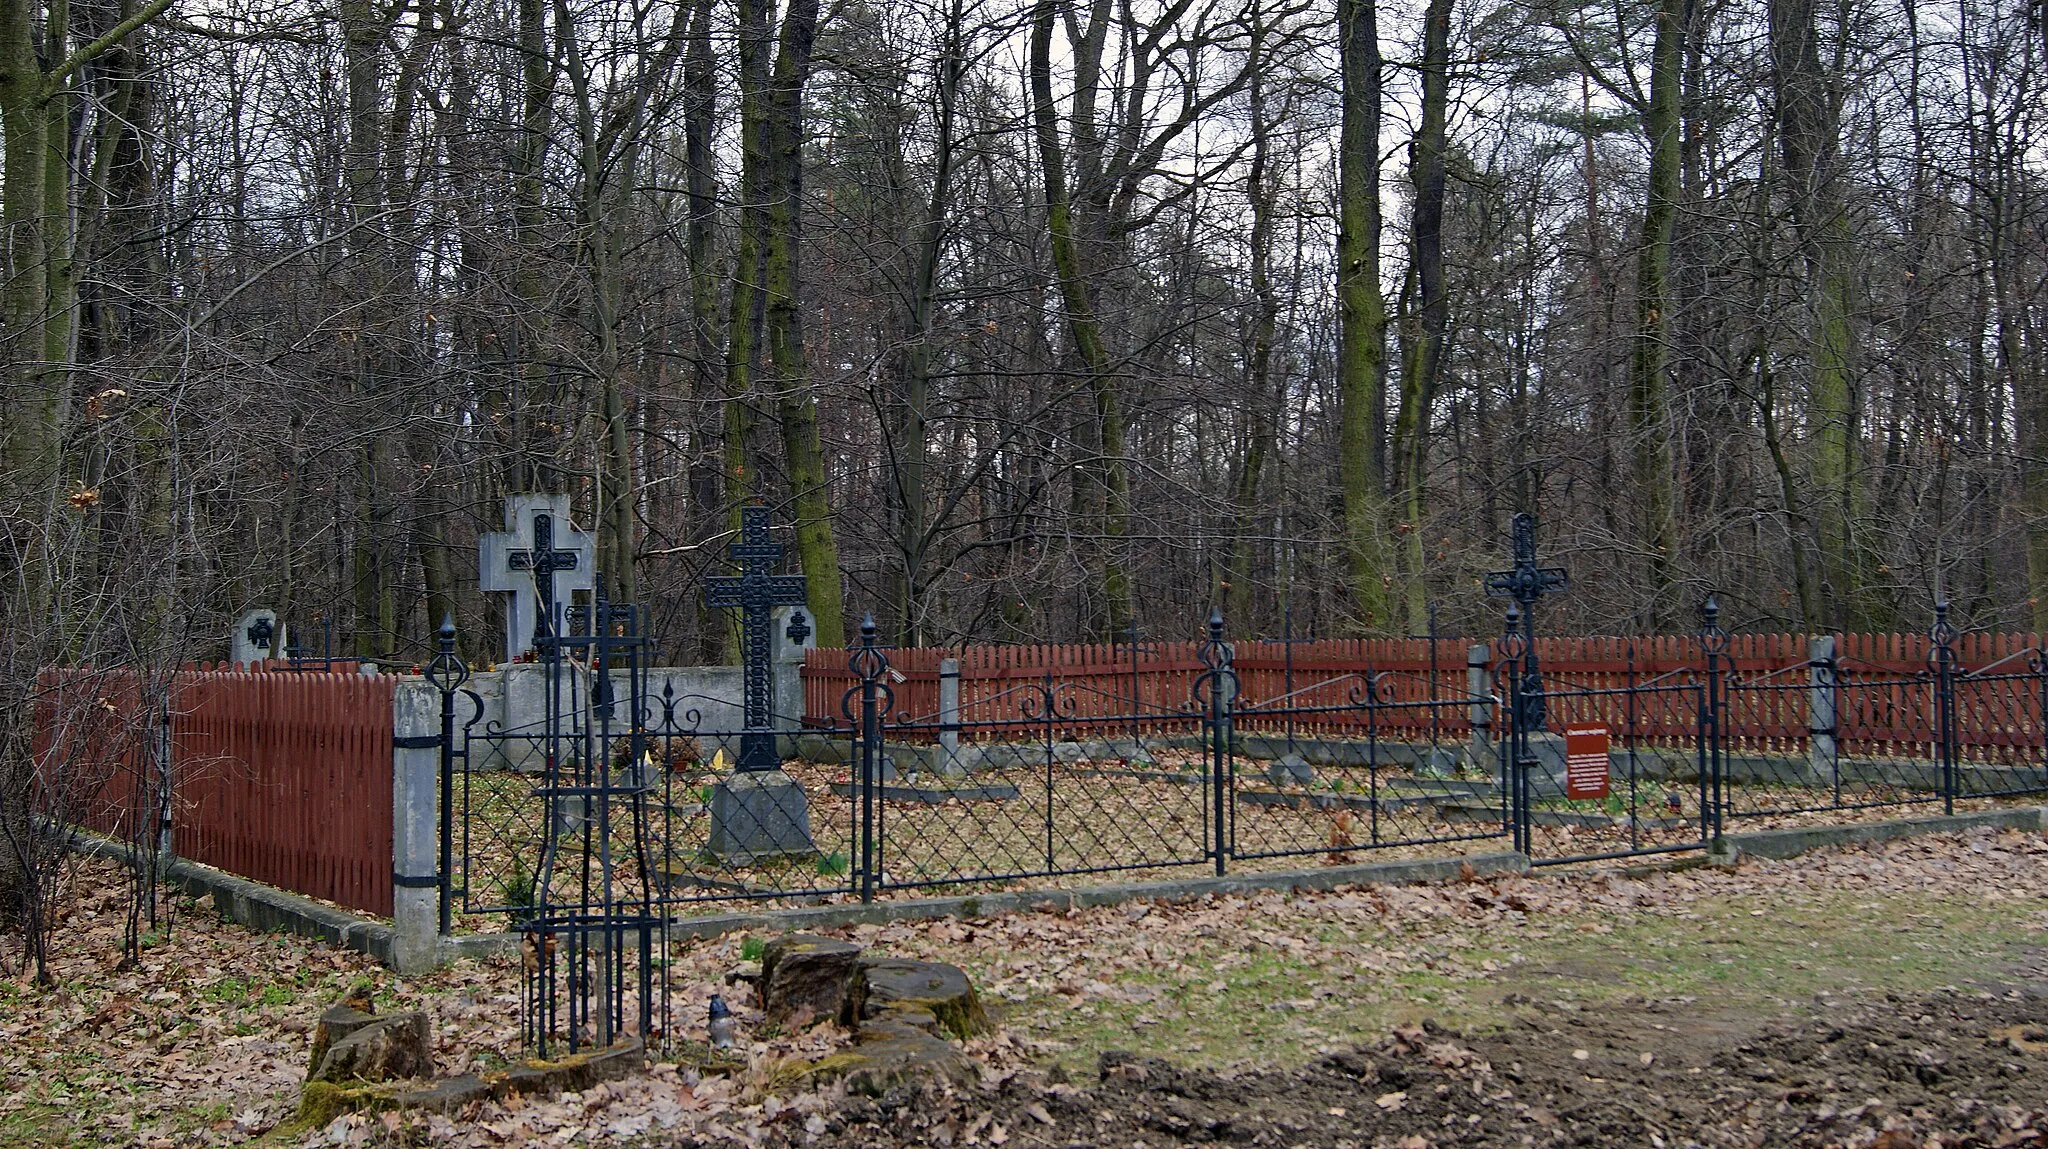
<point>1041,813</point>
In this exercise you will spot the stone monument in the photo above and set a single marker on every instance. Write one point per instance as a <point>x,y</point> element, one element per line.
<point>256,637</point>
<point>540,561</point>
<point>758,811</point>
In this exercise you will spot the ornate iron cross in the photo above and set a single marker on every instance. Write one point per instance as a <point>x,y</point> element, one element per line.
<point>755,592</point>
<point>543,560</point>
<point>1527,583</point>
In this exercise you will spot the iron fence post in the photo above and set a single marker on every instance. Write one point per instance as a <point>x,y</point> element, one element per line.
<point>870,664</point>
<point>1714,641</point>
<point>1219,683</point>
<point>1514,646</point>
<point>447,672</point>
<point>2037,664</point>
<point>1944,657</point>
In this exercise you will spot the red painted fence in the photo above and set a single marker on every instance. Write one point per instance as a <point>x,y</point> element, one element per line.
<point>2000,697</point>
<point>282,777</point>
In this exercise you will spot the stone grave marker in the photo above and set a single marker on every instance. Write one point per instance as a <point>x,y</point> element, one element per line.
<point>257,636</point>
<point>540,560</point>
<point>758,811</point>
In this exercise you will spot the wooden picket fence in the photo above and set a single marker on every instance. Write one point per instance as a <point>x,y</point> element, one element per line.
<point>1427,687</point>
<point>283,777</point>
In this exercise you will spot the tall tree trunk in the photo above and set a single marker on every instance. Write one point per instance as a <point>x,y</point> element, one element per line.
<point>1262,404</point>
<point>528,445</point>
<point>909,455</point>
<point>1423,326</point>
<point>1361,316</point>
<point>1808,138</point>
<point>1110,474</point>
<point>700,108</point>
<point>1649,415</point>
<point>364,32</point>
<point>782,322</point>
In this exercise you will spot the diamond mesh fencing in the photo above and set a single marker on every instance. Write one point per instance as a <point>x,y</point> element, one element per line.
<point>1113,766</point>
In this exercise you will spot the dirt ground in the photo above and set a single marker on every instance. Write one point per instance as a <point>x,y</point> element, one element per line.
<point>1957,1069</point>
<point>1892,996</point>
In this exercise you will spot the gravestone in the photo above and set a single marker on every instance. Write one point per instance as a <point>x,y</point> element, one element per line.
<point>256,637</point>
<point>540,561</point>
<point>758,811</point>
<point>793,624</point>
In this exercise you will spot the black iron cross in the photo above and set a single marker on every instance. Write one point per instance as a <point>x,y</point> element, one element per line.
<point>1527,583</point>
<point>543,560</point>
<point>754,592</point>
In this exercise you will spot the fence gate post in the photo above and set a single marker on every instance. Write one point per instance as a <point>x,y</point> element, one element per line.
<point>415,829</point>
<point>1514,749</point>
<point>949,718</point>
<point>1714,641</point>
<point>870,664</point>
<point>1480,690</point>
<point>1944,658</point>
<point>1823,715</point>
<point>1217,689</point>
<point>446,674</point>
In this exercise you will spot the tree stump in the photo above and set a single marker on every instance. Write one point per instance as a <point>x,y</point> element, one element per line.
<point>336,1022</point>
<point>803,974</point>
<point>886,1055</point>
<point>389,1048</point>
<point>886,987</point>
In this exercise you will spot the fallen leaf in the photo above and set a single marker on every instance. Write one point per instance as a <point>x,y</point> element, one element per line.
<point>1391,1101</point>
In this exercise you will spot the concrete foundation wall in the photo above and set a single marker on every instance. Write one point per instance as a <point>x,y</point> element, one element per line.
<point>705,699</point>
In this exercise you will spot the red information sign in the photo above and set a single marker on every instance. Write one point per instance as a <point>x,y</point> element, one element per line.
<point>1585,762</point>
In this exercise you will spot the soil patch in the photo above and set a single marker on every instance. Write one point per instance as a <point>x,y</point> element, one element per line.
<point>1894,1072</point>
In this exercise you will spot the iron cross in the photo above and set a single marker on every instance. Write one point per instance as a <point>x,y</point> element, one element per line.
<point>755,592</point>
<point>1526,584</point>
<point>543,560</point>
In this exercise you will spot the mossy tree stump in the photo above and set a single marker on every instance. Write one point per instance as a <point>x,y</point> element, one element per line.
<point>806,976</point>
<point>898,987</point>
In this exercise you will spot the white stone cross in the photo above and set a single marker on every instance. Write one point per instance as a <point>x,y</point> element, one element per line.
<point>506,563</point>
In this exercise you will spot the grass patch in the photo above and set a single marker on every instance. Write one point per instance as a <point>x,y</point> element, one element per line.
<point>1236,998</point>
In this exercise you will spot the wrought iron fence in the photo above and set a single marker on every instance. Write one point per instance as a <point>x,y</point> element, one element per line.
<point>1049,777</point>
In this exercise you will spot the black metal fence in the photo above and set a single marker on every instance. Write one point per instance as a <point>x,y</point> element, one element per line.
<point>1051,778</point>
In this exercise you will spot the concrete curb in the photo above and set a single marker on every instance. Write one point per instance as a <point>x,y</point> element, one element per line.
<point>803,918</point>
<point>1782,844</point>
<point>258,906</point>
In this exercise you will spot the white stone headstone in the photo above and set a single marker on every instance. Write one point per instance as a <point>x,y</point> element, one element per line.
<point>504,557</point>
<point>257,636</point>
<point>786,650</point>
<point>787,660</point>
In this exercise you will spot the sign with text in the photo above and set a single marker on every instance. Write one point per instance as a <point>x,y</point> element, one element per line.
<point>1585,762</point>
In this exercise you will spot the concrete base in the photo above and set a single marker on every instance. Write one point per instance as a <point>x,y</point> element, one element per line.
<point>759,814</point>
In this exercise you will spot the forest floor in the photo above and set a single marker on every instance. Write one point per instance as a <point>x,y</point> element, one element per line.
<point>1892,996</point>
